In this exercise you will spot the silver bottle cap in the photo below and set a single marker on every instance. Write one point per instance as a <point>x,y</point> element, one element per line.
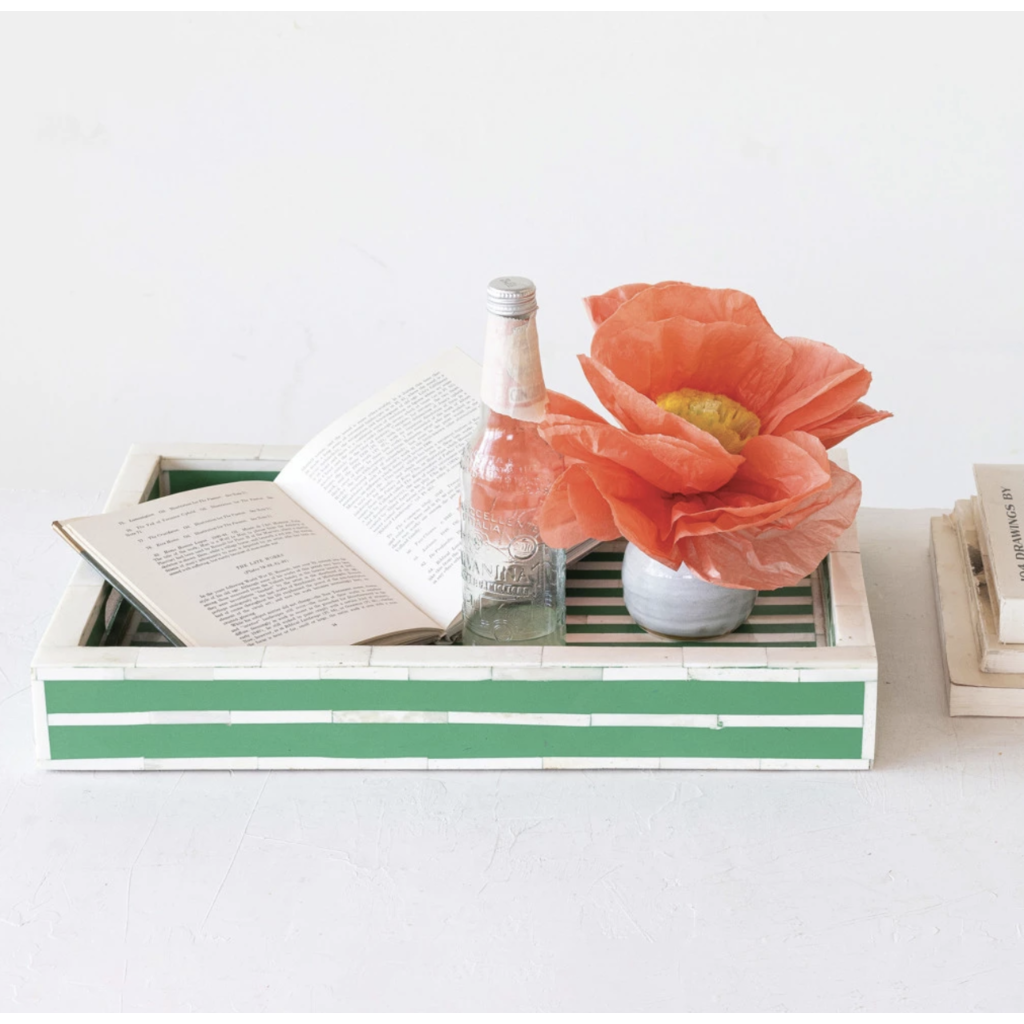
<point>514,297</point>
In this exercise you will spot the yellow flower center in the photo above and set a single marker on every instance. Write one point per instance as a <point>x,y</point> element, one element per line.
<point>727,421</point>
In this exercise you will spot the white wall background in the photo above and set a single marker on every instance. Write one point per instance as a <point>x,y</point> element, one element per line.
<point>232,228</point>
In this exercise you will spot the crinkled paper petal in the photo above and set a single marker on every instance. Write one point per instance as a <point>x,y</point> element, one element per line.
<point>574,511</point>
<point>640,415</point>
<point>641,512</point>
<point>600,307</point>
<point>856,418</point>
<point>778,474</point>
<point>671,464</point>
<point>676,298</point>
<point>602,502</point>
<point>779,554</point>
<point>821,383</point>
<point>747,364</point>
<point>563,405</point>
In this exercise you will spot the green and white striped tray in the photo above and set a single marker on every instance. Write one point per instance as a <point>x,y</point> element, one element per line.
<point>795,687</point>
<point>597,616</point>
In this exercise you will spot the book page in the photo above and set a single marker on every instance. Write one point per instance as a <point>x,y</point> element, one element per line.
<point>385,478</point>
<point>242,564</point>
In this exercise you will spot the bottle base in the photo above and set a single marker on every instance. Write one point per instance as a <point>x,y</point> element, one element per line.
<point>514,625</point>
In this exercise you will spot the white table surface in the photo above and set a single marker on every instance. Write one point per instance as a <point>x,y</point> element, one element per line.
<point>901,888</point>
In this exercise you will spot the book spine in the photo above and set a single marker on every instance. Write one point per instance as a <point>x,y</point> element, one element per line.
<point>1001,536</point>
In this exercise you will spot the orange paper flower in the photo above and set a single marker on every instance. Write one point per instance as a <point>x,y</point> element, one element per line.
<point>722,461</point>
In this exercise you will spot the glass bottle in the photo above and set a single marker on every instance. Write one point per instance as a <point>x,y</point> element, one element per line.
<point>513,584</point>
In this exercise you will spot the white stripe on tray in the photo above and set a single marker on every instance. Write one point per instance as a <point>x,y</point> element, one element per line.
<point>791,721</point>
<point>444,764</point>
<point>758,620</point>
<point>577,582</point>
<point>522,718</point>
<point>761,602</point>
<point>731,721</point>
<point>584,567</point>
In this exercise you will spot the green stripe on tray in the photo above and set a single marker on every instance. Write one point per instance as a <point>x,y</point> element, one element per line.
<point>97,631</point>
<point>179,480</point>
<point>782,609</point>
<point>804,591</point>
<point>747,627</point>
<point>598,609</point>
<point>445,741</point>
<point>586,696</point>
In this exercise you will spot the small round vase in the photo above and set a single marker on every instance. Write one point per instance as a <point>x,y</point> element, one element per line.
<point>675,603</point>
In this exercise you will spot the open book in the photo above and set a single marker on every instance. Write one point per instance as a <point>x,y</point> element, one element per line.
<point>356,541</point>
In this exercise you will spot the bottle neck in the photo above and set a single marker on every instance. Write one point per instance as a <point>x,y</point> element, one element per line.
<point>513,383</point>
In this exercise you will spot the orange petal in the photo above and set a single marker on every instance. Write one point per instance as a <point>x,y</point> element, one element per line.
<point>563,405</point>
<point>821,383</point>
<point>747,364</point>
<point>602,502</point>
<point>590,507</point>
<point>672,299</point>
<point>857,417</point>
<point>778,474</point>
<point>671,464</point>
<point>640,415</point>
<point>782,464</point>
<point>640,511</point>
<point>776,555</point>
<point>810,444</point>
<point>600,307</point>
<point>557,519</point>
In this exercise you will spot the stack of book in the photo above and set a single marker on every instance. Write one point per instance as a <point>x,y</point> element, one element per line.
<point>978,566</point>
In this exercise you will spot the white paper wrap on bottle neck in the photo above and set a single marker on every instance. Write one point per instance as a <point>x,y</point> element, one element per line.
<point>513,382</point>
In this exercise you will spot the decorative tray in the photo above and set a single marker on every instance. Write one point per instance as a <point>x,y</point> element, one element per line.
<point>795,687</point>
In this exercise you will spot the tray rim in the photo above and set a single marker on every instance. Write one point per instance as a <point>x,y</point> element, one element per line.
<point>62,645</point>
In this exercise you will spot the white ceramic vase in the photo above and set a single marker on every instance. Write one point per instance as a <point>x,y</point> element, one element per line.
<point>678,604</point>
